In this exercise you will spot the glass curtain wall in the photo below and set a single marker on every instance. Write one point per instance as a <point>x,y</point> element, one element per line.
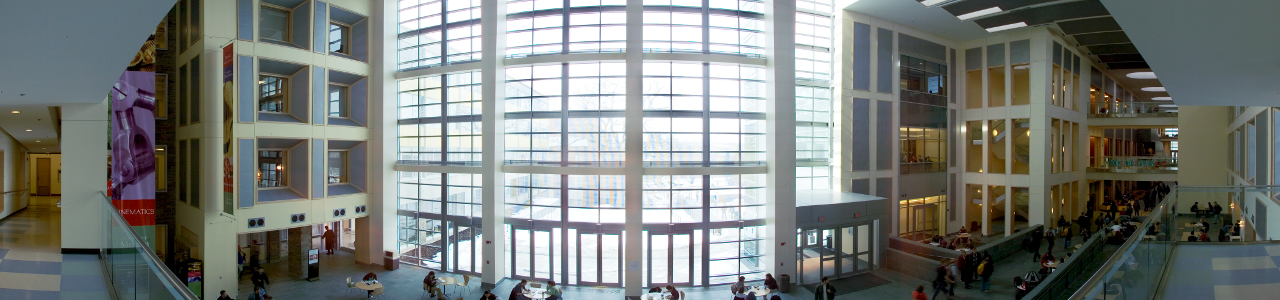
<point>699,229</point>
<point>813,94</point>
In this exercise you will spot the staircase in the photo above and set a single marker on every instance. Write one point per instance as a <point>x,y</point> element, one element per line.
<point>1021,132</point>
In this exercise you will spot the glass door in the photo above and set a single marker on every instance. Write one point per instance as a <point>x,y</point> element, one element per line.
<point>829,252</point>
<point>535,252</point>
<point>848,249</point>
<point>599,258</point>
<point>810,257</point>
<point>670,259</point>
<point>866,240</point>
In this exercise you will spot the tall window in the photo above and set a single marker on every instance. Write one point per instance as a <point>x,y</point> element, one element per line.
<point>273,94</point>
<point>273,23</point>
<point>923,150</point>
<point>673,199</point>
<point>730,129</point>
<point>559,92</point>
<point>923,81</point>
<point>733,27</point>
<point>271,169</point>
<point>338,167</point>
<point>736,252</point>
<point>339,38</point>
<point>339,100</point>
<point>538,27</point>
<point>440,32</point>
<point>433,234</point>
<point>440,119</point>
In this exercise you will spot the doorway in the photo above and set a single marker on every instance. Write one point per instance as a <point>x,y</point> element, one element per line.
<point>534,252</point>
<point>670,258</point>
<point>599,257</point>
<point>44,181</point>
<point>839,251</point>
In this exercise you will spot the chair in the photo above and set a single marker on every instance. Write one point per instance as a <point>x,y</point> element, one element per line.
<point>376,292</point>
<point>350,285</point>
<point>466,280</point>
<point>426,288</point>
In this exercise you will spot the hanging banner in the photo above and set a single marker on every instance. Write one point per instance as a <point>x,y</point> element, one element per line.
<point>228,97</point>
<point>133,149</point>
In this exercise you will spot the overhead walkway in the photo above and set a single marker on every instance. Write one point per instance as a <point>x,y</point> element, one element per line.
<point>1133,168</point>
<point>1133,114</point>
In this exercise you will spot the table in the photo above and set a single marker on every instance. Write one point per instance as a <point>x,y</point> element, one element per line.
<point>444,282</point>
<point>368,286</point>
<point>935,244</point>
<point>759,291</point>
<point>963,235</point>
<point>1235,238</point>
<point>654,296</point>
<point>536,293</point>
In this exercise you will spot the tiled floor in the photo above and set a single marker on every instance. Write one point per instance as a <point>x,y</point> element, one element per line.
<point>31,263</point>
<point>1234,272</point>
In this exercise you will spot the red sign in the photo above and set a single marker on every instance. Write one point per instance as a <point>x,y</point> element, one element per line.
<point>141,212</point>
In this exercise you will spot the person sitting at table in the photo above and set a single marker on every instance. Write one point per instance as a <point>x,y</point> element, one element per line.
<point>1045,261</point>
<point>488,296</point>
<point>769,282</point>
<point>1204,235</point>
<point>553,292</point>
<point>1195,208</point>
<point>655,290</point>
<point>430,282</point>
<point>738,287</point>
<point>517,292</point>
<point>675,295</point>
<point>963,230</point>
<point>370,277</point>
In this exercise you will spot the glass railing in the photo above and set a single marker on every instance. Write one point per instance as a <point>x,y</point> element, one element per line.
<point>1132,109</point>
<point>1134,163</point>
<point>1134,271</point>
<point>922,167</point>
<point>132,268</point>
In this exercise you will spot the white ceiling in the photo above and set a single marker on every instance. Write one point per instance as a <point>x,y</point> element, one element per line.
<point>1214,53</point>
<point>933,20</point>
<point>60,52</point>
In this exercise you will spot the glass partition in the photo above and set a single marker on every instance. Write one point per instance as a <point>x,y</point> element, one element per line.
<point>1131,163</point>
<point>132,268</point>
<point>1131,109</point>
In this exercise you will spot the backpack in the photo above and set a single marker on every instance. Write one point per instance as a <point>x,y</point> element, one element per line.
<point>982,267</point>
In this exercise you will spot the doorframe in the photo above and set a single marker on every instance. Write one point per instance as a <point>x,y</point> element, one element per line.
<point>533,244</point>
<point>599,256</point>
<point>670,257</point>
<point>837,240</point>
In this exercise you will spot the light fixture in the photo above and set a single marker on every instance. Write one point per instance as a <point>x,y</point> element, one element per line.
<point>1153,89</point>
<point>37,141</point>
<point>932,2</point>
<point>1141,75</point>
<point>15,112</point>
<point>1007,27</point>
<point>992,10</point>
<point>1022,67</point>
<point>1168,105</point>
<point>1162,98</point>
<point>28,130</point>
<point>278,167</point>
<point>262,81</point>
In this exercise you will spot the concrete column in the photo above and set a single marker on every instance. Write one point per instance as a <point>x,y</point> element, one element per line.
<point>634,167</point>
<point>377,232</point>
<point>273,245</point>
<point>780,132</point>
<point>493,49</point>
<point>1041,130</point>
<point>84,161</point>
<point>299,244</point>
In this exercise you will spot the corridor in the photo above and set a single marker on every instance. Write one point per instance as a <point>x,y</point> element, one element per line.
<point>32,265</point>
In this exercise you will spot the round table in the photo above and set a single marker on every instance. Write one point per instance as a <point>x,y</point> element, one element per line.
<point>368,286</point>
<point>759,291</point>
<point>654,296</point>
<point>536,293</point>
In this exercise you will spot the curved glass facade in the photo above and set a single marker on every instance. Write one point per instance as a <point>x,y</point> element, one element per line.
<point>564,133</point>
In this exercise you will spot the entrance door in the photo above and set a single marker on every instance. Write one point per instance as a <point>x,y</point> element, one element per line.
<point>599,258</point>
<point>43,180</point>
<point>535,252</point>
<point>924,220</point>
<point>866,241</point>
<point>829,252</point>
<point>670,259</point>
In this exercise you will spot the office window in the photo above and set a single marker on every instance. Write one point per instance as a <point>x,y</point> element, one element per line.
<point>339,101</point>
<point>273,23</point>
<point>338,168</point>
<point>339,38</point>
<point>271,170</point>
<point>273,94</point>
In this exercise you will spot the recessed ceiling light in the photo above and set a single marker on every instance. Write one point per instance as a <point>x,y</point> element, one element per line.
<point>37,141</point>
<point>1007,27</point>
<point>1162,98</point>
<point>1141,75</point>
<point>15,112</point>
<point>1168,105</point>
<point>931,2</point>
<point>1153,89</point>
<point>28,129</point>
<point>992,10</point>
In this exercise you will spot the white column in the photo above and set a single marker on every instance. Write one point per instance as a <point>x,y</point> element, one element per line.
<point>780,133</point>
<point>493,46</point>
<point>84,161</point>
<point>634,167</point>
<point>376,233</point>
<point>1041,130</point>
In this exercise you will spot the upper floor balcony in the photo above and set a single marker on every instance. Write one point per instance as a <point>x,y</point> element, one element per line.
<point>1132,109</point>
<point>1134,164</point>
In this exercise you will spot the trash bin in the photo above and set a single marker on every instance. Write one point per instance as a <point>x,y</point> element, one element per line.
<point>784,283</point>
<point>390,262</point>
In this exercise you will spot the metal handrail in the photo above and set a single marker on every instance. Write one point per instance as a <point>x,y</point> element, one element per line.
<point>172,282</point>
<point>14,191</point>
<point>1097,277</point>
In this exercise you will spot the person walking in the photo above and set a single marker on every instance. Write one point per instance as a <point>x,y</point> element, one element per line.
<point>1050,236</point>
<point>222,295</point>
<point>1035,246</point>
<point>1066,237</point>
<point>260,280</point>
<point>330,240</point>
<point>985,270</point>
<point>954,275</point>
<point>940,281</point>
<point>825,291</point>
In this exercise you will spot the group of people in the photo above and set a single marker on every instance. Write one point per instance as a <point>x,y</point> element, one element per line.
<point>518,292</point>
<point>969,267</point>
<point>740,288</point>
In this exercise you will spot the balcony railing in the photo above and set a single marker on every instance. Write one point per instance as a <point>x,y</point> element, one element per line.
<point>133,270</point>
<point>1133,164</point>
<point>1132,109</point>
<point>906,168</point>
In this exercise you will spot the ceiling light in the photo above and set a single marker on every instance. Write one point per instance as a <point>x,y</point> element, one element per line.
<point>1141,75</point>
<point>15,112</point>
<point>28,129</point>
<point>1007,27</point>
<point>1168,105</point>
<point>992,10</point>
<point>1022,67</point>
<point>37,141</point>
<point>931,2</point>
<point>1153,89</point>
<point>1162,98</point>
